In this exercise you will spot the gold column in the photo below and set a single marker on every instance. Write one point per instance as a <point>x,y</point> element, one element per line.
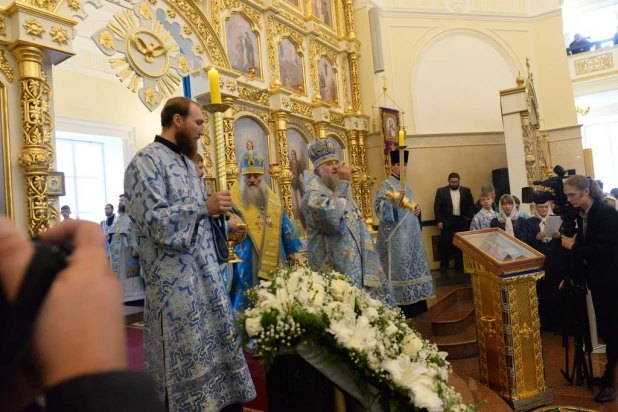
<point>285,178</point>
<point>320,128</point>
<point>354,162</point>
<point>37,153</point>
<point>231,165</point>
<point>365,180</point>
<point>349,19</point>
<point>355,79</point>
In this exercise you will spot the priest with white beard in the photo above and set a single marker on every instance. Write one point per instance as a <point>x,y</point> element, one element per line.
<point>337,235</point>
<point>272,239</point>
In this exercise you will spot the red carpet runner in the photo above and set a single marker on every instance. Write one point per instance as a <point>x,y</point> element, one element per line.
<point>135,339</point>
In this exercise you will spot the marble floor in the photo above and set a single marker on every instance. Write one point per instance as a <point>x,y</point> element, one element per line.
<point>554,358</point>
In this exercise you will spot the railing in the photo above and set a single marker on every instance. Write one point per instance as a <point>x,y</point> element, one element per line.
<point>593,64</point>
<point>592,45</point>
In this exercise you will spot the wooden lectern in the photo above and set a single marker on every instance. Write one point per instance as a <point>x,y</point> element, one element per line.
<point>504,273</point>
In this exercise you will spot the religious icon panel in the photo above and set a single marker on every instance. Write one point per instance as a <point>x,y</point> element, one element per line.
<point>328,81</point>
<point>250,135</point>
<point>291,66</point>
<point>323,10</point>
<point>299,162</point>
<point>242,45</point>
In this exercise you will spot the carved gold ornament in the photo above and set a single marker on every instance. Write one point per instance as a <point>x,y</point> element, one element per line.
<point>6,68</point>
<point>593,64</point>
<point>34,28</point>
<point>200,49</point>
<point>2,26</point>
<point>59,35</point>
<point>187,30</point>
<point>171,13</point>
<point>150,50</point>
<point>145,11</point>
<point>106,39</point>
<point>151,97</point>
<point>151,58</point>
<point>73,5</point>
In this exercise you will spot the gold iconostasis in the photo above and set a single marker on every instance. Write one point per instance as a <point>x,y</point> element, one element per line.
<point>288,70</point>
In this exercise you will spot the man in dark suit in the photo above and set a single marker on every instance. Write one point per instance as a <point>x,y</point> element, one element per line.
<point>453,210</point>
<point>595,248</point>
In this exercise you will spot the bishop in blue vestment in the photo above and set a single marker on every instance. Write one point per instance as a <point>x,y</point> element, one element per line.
<point>337,235</point>
<point>190,345</point>
<point>400,245</point>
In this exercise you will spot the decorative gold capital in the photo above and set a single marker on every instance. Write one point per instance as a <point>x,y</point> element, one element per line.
<point>29,59</point>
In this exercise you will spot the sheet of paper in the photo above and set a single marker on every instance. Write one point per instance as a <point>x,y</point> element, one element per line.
<point>552,225</point>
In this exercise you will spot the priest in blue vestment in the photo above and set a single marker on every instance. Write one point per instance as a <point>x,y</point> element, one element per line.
<point>190,345</point>
<point>124,257</point>
<point>337,235</point>
<point>400,244</point>
<point>271,241</point>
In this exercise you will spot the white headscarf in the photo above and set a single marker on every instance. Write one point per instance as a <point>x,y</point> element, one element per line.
<point>612,198</point>
<point>538,215</point>
<point>508,220</point>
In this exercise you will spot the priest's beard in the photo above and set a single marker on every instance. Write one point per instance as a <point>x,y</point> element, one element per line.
<point>254,195</point>
<point>122,208</point>
<point>187,144</point>
<point>330,180</point>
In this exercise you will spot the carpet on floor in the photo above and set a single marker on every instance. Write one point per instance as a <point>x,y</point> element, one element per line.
<point>135,343</point>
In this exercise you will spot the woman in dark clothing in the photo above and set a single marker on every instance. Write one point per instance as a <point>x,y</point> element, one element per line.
<point>548,244</point>
<point>509,220</point>
<point>595,249</point>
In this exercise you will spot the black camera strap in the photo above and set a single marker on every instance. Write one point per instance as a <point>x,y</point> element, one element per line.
<point>17,319</point>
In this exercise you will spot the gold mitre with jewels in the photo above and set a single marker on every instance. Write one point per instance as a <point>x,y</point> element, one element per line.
<point>252,162</point>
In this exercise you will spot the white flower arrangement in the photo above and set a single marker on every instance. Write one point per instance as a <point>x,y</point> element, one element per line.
<point>373,340</point>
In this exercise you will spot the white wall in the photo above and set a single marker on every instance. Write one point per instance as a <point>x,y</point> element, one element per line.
<point>456,84</point>
<point>91,98</point>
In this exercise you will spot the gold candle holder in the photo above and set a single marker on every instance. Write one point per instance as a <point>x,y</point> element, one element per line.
<point>217,109</point>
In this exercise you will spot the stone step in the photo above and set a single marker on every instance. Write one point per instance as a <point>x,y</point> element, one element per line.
<point>450,323</point>
<point>459,346</point>
<point>455,319</point>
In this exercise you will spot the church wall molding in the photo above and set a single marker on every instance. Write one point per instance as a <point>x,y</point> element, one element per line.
<point>564,133</point>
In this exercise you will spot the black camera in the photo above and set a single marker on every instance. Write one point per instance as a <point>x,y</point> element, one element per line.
<point>555,194</point>
<point>17,320</point>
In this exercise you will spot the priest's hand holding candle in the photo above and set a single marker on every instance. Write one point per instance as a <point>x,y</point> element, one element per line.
<point>402,138</point>
<point>215,90</point>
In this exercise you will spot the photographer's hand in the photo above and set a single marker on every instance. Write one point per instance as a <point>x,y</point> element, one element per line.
<point>568,242</point>
<point>80,329</point>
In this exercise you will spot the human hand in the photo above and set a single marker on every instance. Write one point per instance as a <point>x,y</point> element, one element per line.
<point>417,210</point>
<point>235,226</point>
<point>70,338</point>
<point>344,171</point>
<point>219,203</point>
<point>402,193</point>
<point>440,225</point>
<point>291,259</point>
<point>568,242</point>
<point>555,235</point>
<point>540,236</point>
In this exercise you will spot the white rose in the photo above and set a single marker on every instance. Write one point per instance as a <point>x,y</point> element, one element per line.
<point>253,326</point>
<point>371,313</point>
<point>340,288</point>
<point>411,345</point>
<point>391,328</point>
